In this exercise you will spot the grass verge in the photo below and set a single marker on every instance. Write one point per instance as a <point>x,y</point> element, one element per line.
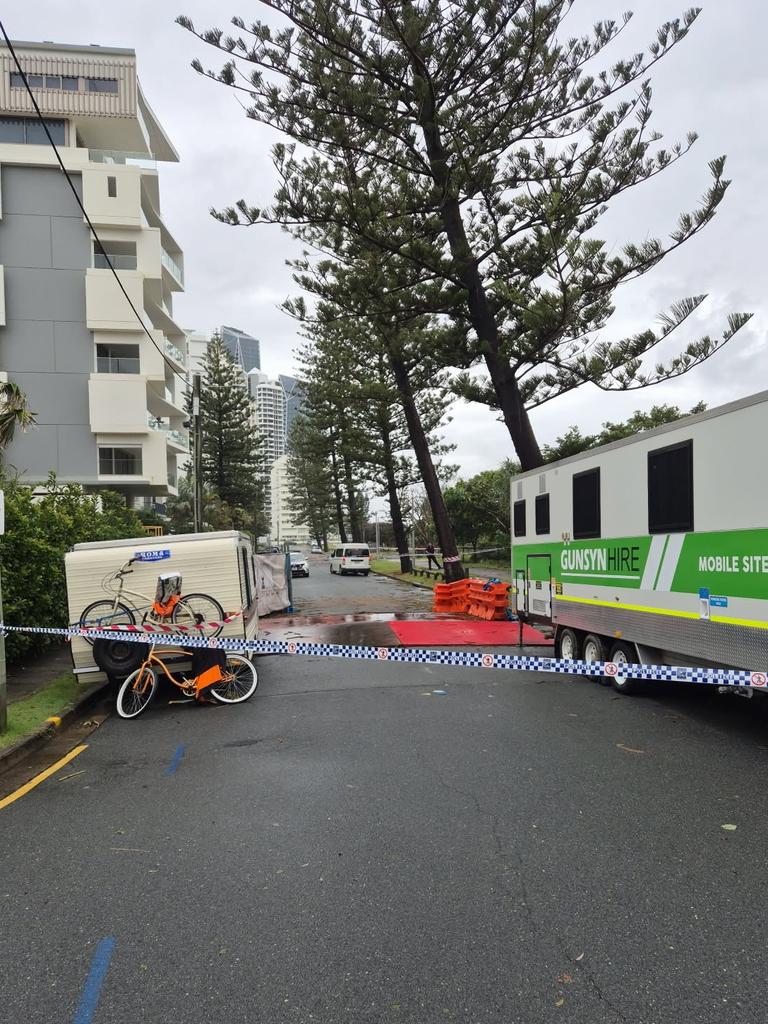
<point>26,716</point>
<point>386,568</point>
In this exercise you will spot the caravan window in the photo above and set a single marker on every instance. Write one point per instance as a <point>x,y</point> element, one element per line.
<point>245,579</point>
<point>542,513</point>
<point>670,489</point>
<point>519,518</point>
<point>586,504</point>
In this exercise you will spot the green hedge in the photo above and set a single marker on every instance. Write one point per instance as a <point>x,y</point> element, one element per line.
<point>39,530</point>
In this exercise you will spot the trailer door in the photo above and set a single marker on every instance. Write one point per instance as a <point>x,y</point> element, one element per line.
<point>538,592</point>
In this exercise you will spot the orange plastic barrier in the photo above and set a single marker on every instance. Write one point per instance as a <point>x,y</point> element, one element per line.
<point>488,602</point>
<point>451,597</point>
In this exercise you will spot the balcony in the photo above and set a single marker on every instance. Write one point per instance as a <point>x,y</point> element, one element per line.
<point>172,266</point>
<point>115,156</point>
<point>162,403</point>
<point>175,438</point>
<point>119,261</point>
<point>175,353</point>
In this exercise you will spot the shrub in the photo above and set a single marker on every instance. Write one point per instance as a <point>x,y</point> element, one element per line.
<point>39,530</point>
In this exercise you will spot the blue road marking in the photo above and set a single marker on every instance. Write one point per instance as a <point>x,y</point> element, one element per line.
<point>94,981</point>
<point>175,760</point>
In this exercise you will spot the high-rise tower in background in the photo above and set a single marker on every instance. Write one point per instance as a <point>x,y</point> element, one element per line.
<point>245,350</point>
<point>293,399</point>
<point>108,398</point>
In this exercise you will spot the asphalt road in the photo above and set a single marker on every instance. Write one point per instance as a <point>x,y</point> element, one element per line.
<point>328,593</point>
<point>351,847</point>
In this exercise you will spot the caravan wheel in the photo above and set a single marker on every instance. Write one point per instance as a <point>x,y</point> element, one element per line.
<point>567,645</point>
<point>594,650</point>
<point>625,654</point>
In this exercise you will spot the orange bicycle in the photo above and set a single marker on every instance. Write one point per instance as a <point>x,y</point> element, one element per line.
<point>233,683</point>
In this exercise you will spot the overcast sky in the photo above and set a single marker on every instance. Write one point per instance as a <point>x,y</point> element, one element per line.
<point>714,83</point>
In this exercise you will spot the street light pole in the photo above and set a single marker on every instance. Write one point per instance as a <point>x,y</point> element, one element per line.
<point>197,465</point>
<point>377,534</point>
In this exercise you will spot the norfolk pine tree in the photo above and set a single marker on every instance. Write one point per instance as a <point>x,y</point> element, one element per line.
<point>363,298</point>
<point>233,461</point>
<point>487,145</point>
<point>311,487</point>
<point>371,391</point>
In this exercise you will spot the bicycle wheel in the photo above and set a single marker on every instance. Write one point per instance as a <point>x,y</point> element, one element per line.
<point>105,613</point>
<point>136,693</point>
<point>239,682</point>
<point>195,612</point>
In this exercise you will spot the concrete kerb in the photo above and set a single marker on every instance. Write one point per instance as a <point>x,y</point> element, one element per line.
<point>16,753</point>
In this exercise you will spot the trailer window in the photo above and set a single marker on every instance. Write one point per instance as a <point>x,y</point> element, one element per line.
<point>586,504</point>
<point>519,518</point>
<point>670,489</point>
<point>245,588</point>
<point>542,513</point>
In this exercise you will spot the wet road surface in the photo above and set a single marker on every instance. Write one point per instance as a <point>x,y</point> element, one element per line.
<point>353,845</point>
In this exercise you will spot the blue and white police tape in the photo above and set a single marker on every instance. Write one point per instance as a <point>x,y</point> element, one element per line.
<point>427,656</point>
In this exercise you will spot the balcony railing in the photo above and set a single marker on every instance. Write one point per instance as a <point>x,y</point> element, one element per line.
<point>115,156</point>
<point>174,352</point>
<point>120,261</point>
<point>171,265</point>
<point>118,364</point>
<point>176,436</point>
<point>181,439</point>
<point>120,467</point>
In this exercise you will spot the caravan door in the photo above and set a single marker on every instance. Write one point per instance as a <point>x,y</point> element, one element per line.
<point>538,589</point>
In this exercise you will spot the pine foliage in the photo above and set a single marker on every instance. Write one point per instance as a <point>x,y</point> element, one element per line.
<point>232,453</point>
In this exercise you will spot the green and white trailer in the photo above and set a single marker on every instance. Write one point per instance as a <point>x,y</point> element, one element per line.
<point>652,549</point>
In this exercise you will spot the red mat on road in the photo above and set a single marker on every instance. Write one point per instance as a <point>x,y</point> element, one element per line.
<point>464,633</point>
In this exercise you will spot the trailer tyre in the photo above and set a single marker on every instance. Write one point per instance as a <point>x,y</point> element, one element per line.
<point>118,658</point>
<point>625,654</point>
<point>594,649</point>
<point>567,645</point>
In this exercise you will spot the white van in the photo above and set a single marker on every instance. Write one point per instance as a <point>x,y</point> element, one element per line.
<point>349,558</point>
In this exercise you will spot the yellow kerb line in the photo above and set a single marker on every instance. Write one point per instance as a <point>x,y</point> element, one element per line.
<point>23,790</point>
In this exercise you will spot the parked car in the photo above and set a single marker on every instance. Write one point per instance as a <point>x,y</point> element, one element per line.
<point>299,564</point>
<point>315,550</point>
<point>351,558</point>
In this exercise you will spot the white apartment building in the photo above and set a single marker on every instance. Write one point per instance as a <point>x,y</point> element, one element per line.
<point>108,398</point>
<point>269,415</point>
<point>284,527</point>
<point>268,419</point>
<point>197,344</point>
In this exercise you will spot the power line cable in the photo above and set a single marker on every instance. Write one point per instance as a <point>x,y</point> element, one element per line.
<point>71,184</point>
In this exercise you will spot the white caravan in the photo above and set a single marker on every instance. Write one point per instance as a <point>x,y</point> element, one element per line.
<point>652,549</point>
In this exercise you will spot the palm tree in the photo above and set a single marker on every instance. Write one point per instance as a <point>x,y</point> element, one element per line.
<point>14,412</point>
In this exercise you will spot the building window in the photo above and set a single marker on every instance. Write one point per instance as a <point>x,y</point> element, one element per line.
<point>518,518</point>
<point>111,186</point>
<point>670,489</point>
<point>542,513</point>
<point>118,359</point>
<point>120,461</point>
<point>70,83</point>
<point>586,505</point>
<point>122,255</point>
<point>30,130</point>
<point>101,85</point>
<point>53,81</point>
<point>17,80</point>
